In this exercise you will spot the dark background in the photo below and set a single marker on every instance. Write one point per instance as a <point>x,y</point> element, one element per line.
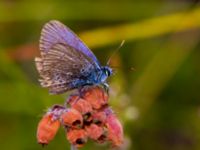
<point>158,103</point>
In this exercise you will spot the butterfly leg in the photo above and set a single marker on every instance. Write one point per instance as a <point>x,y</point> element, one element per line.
<point>67,101</point>
<point>105,87</point>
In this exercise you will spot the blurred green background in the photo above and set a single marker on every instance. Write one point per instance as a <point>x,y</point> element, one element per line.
<point>158,103</point>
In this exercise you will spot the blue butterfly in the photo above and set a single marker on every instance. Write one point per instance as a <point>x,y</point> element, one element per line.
<point>66,63</point>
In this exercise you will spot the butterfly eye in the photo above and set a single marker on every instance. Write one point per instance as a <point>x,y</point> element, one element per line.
<point>107,72</point>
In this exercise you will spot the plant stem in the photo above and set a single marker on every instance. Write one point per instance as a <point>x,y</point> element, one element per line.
<point>73,147</point>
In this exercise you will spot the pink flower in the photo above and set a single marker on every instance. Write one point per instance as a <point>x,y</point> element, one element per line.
<point>84,108</point>
<point>99,117</point>
<point>72,118</point>
<point>94,131</point>
<point>115,130</point>
<point>96,96</point>
<point>77,137</point>
<point>47,129</point>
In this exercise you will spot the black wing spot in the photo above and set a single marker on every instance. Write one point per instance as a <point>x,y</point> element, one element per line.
<point>83,70</point>
<point>75,66</point>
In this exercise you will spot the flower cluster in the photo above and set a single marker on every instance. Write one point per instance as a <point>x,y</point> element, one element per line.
<point>86,116</point>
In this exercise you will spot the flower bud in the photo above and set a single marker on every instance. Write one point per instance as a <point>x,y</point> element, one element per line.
<point>115,130</point>
<point>57,111</point>
<point>47,129</point>
<point>77,137</point>
<point>82,106</point>
<point>99,117</point>
<point>72,118</point>
<point>94,132</point>
<point>96,96</point>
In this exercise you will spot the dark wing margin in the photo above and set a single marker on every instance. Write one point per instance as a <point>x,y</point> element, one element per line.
<point>55,32</point>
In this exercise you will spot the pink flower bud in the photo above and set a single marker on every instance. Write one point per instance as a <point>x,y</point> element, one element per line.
<point>115,130</point>
<point>77,137</point>
<point>99,117</point>
<point>94,132</point>
<point>82,106</point>
<point>47,129</point>
<point>72,118</point>
<point>96,96</point>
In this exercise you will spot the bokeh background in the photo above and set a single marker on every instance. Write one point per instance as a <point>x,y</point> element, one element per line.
<point>158,103</point>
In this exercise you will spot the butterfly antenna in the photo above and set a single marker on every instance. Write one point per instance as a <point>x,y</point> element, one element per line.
<point>115,52</point>
<point>118,67</point>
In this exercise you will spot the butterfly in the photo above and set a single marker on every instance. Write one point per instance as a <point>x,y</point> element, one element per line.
<point>66,63</point>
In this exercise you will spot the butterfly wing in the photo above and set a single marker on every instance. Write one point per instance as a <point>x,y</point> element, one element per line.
<point>65,63</point>
<point>64,68</point>
<point>55,32</point>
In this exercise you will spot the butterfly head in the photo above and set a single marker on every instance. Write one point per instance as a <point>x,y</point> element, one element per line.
<point>108,71</point>
<point>105,73</point>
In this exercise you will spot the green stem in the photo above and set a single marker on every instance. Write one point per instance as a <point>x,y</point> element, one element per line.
<point>73,147</point>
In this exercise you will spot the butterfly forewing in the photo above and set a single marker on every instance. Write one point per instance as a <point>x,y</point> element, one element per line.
<point>55,32</point>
